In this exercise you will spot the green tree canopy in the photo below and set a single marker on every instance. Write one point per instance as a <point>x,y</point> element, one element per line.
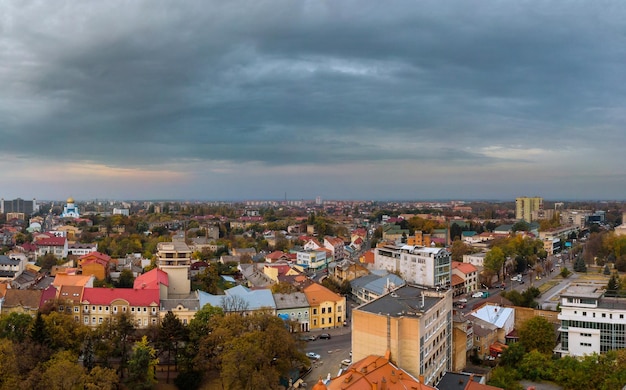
<point>537,333</point>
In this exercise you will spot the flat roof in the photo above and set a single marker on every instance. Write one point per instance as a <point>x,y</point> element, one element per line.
<point>404,301</point>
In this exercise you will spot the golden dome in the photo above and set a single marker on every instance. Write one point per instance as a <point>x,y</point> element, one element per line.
<point>70,200</point>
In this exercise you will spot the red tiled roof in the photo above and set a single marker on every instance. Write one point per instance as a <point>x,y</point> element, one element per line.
<point>152,279</point>
<point>466,268</point>
<point>275,255</point>
<point>52,241</point>
<point>105,296</point>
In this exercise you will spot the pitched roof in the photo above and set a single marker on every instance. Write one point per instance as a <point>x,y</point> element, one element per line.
<point>375,369</point>
<point>25,298</point>
<point>456,280</point>
<point>316,293</point>
<point>95,255</point>
<point>63,279</point>
<point>466,268</point>
<point>105,296</point>
<point>71,293</point>
<point>52,241</point>
<point>152,279</point>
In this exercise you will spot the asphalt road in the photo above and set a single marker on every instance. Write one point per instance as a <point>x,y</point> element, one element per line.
<point>331,352</point>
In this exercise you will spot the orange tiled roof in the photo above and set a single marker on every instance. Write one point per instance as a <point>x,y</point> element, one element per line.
<point>316,293</point>
<point>62,279</point>
<point>375,369</point>
<point>466,268</point>
<point>457,280</point>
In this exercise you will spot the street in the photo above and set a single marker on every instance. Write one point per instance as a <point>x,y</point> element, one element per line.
<point>331,351</point>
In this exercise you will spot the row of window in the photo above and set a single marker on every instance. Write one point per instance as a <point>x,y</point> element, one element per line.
<point>100,320</point>
<point>621,316</point>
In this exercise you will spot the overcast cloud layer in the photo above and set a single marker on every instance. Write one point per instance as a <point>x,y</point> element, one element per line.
<point>343,99</point>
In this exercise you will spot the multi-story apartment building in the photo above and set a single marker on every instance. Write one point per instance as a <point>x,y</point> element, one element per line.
<point>524,207</point>
<point>424,266</point>
<point>414,324</point>
<point>57,246</point>
<point>175,259</point>
<point>335,245</point>
<point>312,259</point>
<point>590,322</point>
<point>18,205</point>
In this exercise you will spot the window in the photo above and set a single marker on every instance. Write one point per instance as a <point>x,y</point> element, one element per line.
<point>603,315</point>
<point>124,309</point>
<point>86,320</point>
<point>132,309</point>
<point>100,320</point>
<point>93,320</point>
<point>323,320</point>
<point>100,308</point>
<point>314,311</point>
<point>114,309</point>
<point>330,310</point>
<point>330,320</point>
<point>76,310</point>
<point>584,313</point>
<point>106,309</point>
<point>314,322</point>
<point>323,310</point>
<point>93,308</point>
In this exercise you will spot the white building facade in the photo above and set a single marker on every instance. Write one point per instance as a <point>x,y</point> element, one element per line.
<point>590,322</point>
<point>420,265</point>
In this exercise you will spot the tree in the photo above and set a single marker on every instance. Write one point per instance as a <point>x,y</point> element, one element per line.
<point>142,366</point>
<point>171,332</point>
<point>512,355</point>
<point>101,378</point>
<point>494,259</point>
<point>536,365</point>
<point>9,370</point>
<point>47,261</point>
<point>123,328</point>
<point>537,333</point>
<point>126,280</point>
<point>458,249</point>
<point>565,272</point>
<point>63,373</point>
<point>14,326</point>
<point>506,378</point>
<point>613,286</point>
<point>579,264</point>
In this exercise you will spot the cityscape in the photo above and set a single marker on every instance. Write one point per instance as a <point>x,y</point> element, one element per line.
<point>345,294</point>
<point>312,194</point>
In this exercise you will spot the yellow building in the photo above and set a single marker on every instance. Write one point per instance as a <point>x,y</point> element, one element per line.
<point>328,309</point>
<point>414,324</point>
<point>524,207</point>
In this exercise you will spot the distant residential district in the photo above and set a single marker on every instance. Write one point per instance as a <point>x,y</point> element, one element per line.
<point>434,295</point>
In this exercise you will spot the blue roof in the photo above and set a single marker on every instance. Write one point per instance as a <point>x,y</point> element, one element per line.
<point>255,299</point>
<point>468,233</point>
<point>228,279</point>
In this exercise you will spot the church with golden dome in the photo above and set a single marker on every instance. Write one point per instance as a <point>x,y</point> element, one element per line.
<point>70,210</point>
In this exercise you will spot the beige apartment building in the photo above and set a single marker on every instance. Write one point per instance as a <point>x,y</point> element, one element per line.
<point>414,324</point>
<point>524,207</point>
<point>175,259</point>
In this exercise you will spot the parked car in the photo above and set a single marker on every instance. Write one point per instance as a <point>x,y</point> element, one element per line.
<point>478,294</point>
<point>346,362</point>
<point>325,336</point>
<point>313,355</point>
<point>463,300</point>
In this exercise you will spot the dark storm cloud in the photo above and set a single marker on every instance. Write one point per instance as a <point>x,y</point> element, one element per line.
<point>284,82</point>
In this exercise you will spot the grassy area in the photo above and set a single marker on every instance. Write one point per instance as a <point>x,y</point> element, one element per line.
<point>548,285</point>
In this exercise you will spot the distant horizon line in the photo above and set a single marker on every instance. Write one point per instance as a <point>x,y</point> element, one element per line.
<point>313,200</point>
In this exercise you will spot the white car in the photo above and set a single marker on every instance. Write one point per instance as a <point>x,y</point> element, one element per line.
<point>313,355</point>
<point>346,362</point>
<point>478,294</point>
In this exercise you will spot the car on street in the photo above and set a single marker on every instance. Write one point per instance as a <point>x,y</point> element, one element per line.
<point>346,362</point>
<point>463,300</point>
<point>313,355</point>
<point>325,336</point>
<point>478,294</point>
<point>308,338</point>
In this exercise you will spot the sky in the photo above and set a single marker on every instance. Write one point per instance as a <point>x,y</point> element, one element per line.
<point>364,99</point>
